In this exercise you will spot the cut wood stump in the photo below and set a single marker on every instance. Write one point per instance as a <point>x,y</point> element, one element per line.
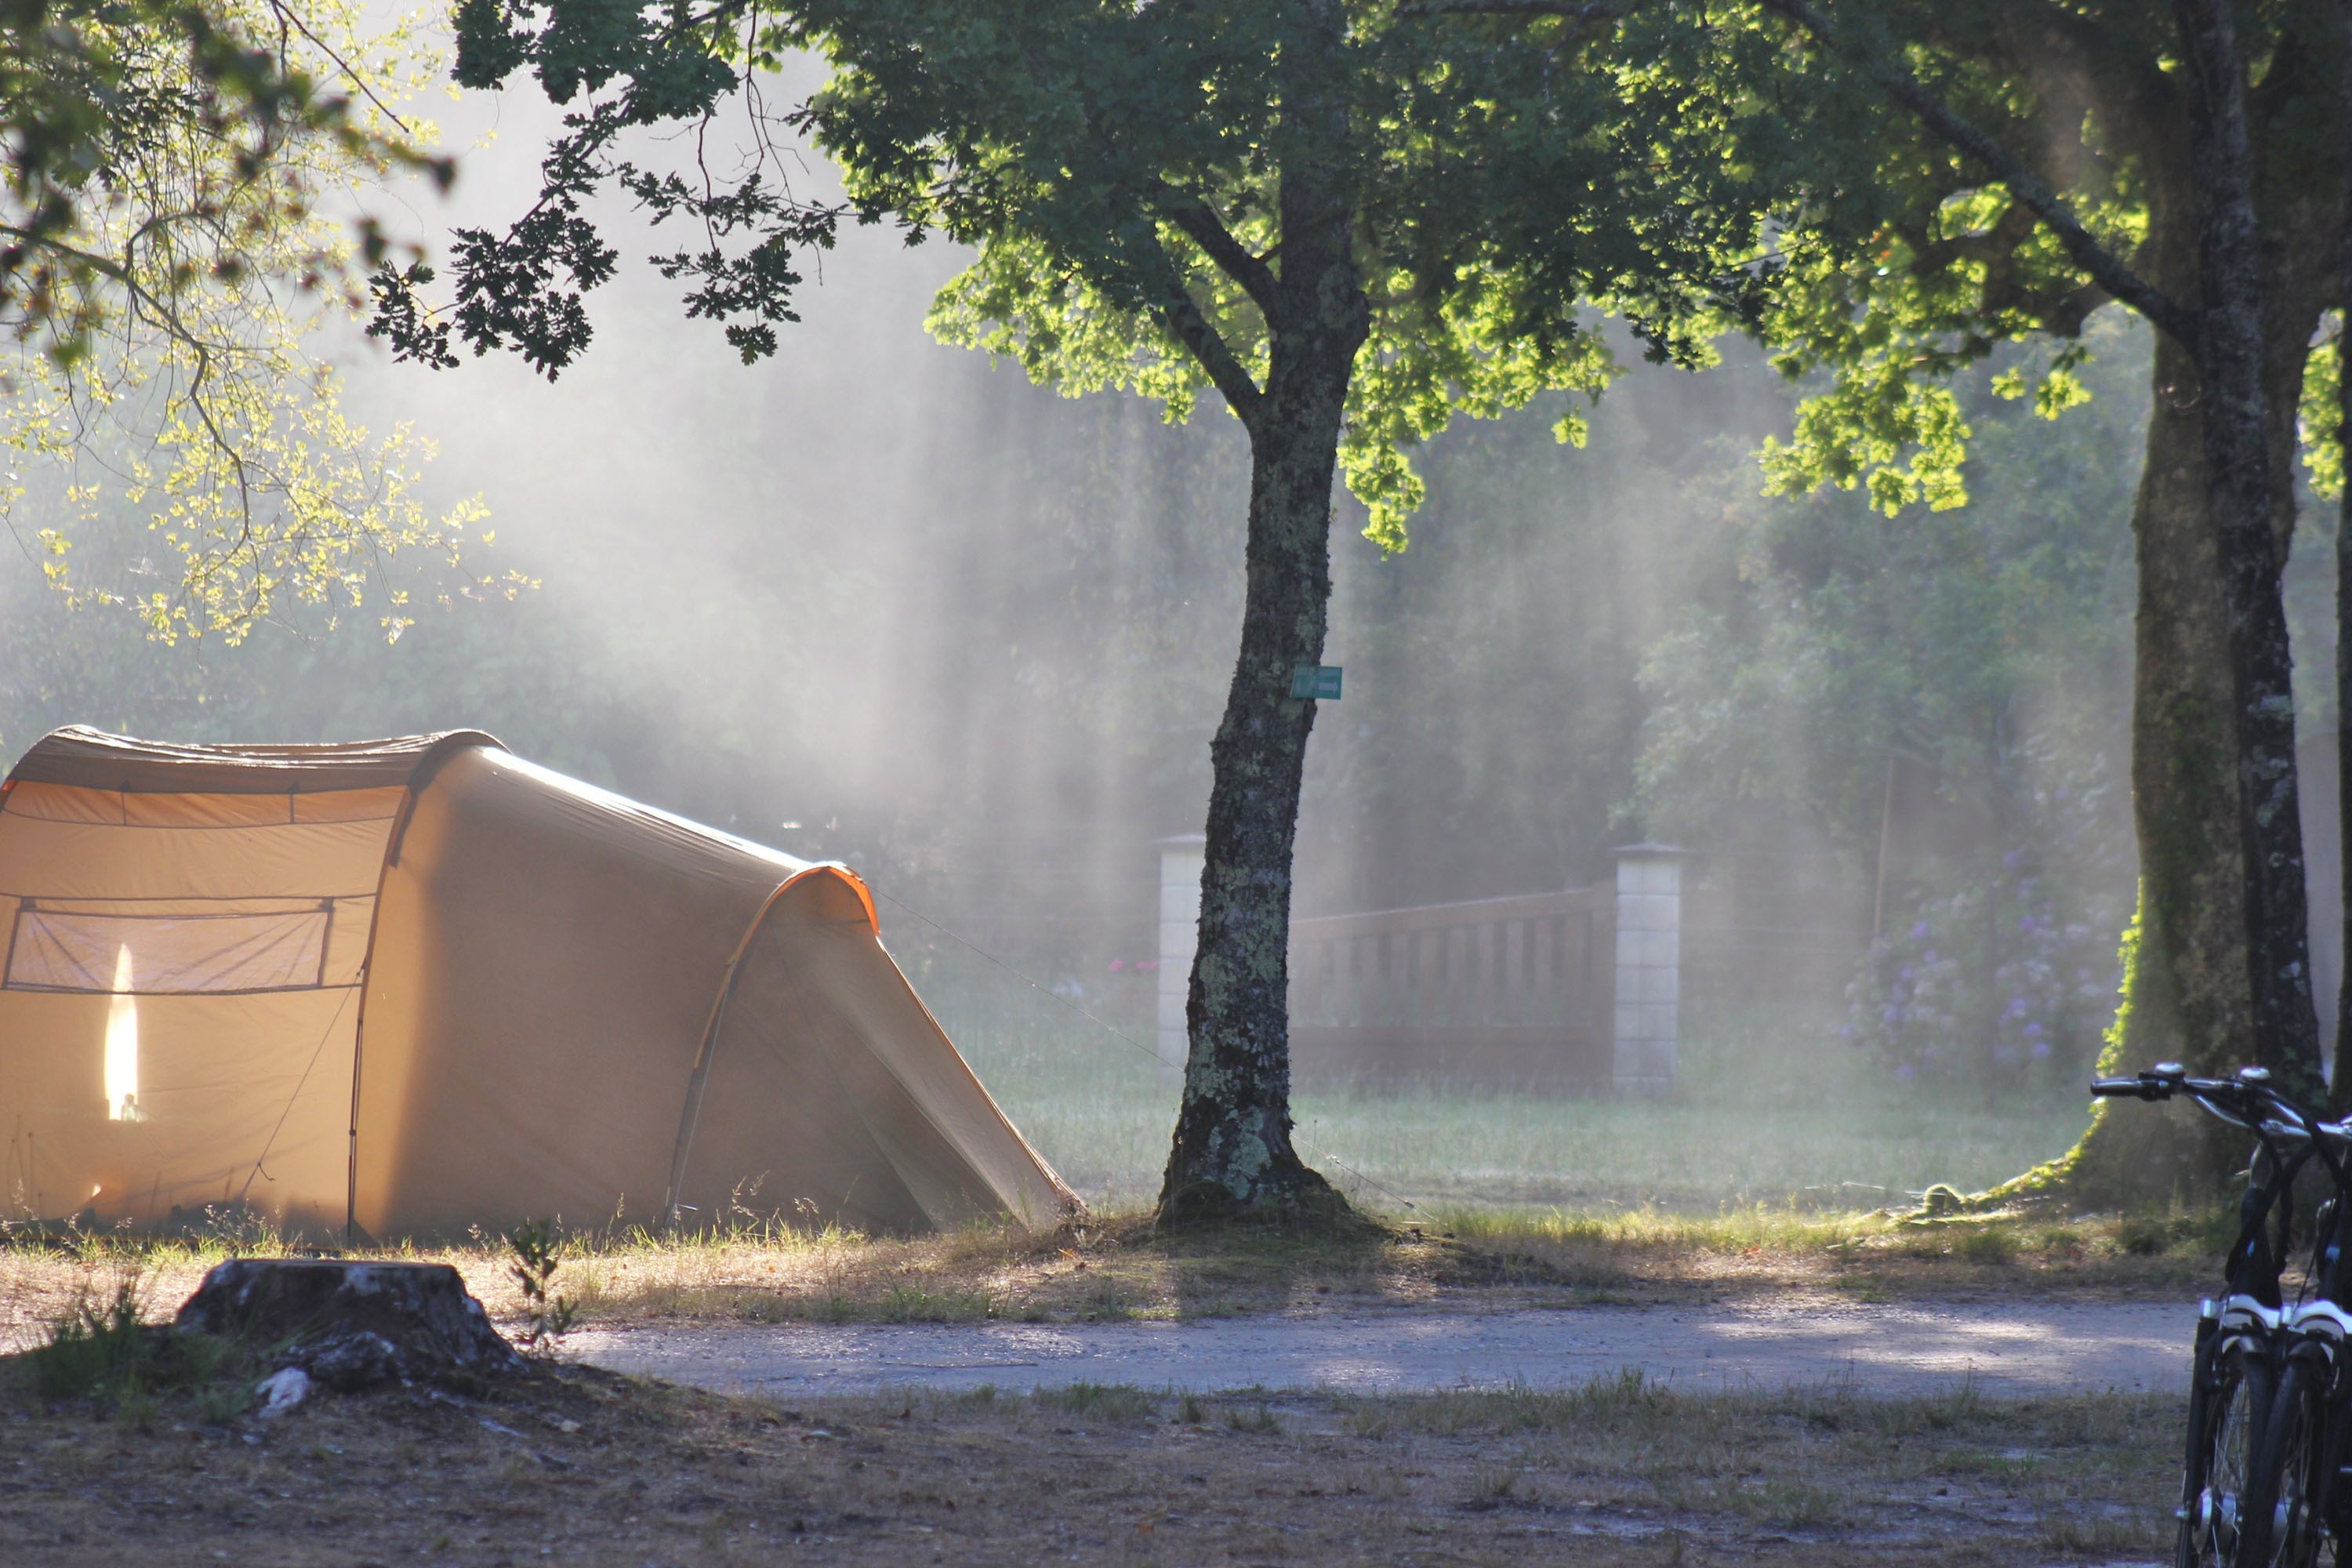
<point>353,1325</point>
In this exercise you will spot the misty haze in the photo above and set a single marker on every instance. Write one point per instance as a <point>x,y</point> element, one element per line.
<point>1157,782</point>
<point>880,601</point>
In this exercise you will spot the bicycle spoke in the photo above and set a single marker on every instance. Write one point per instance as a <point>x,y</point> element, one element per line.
<point>2211,1528</point>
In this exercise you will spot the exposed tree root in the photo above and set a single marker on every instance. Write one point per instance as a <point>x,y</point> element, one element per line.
<point>1290,1197</point>
<point>2132,1157</point>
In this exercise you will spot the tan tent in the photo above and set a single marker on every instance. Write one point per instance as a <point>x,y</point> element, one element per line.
<point>404,987</point>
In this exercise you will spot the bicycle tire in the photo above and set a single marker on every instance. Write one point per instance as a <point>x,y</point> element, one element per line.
<point>2279,1525</point>
<point>2229,1402</point>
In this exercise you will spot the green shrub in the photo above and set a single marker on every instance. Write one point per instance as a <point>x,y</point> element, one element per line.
<point>95,1347</point>
<point>1110,1302</point>
<point>536,1259</point>
<point>1109,1401</point>
<point>2207,1230</point>
<point>1986,1244</point>
<point>99,1349</point>
<point>2060,1243</point>
<point>1257,1418</point>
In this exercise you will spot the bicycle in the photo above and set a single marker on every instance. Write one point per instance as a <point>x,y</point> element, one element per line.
<point>2268,1385</point>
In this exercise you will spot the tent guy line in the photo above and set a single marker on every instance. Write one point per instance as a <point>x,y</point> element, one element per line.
<point>315,1052</point>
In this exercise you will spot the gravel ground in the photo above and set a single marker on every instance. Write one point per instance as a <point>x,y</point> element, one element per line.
<point>2008,1348</point>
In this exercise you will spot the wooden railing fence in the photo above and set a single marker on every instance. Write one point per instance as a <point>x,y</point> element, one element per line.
<point>1503,991</point>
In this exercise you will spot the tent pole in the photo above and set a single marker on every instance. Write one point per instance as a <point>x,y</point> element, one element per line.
<point>692,1113</point>
<point>426,768</point>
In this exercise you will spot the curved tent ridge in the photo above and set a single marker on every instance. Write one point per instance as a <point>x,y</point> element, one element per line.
<point>701,1076</point>
<point>791,870</point>
<point>813,869</point>
<point>80,756</point>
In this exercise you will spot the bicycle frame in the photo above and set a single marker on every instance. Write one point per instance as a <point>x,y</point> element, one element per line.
<point>2252,1318</point>
<point>2287,1137</point>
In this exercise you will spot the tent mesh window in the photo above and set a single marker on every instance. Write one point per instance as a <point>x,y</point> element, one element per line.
<point>183,952</point>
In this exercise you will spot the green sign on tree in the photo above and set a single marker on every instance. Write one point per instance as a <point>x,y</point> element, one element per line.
<point>1318,682</point>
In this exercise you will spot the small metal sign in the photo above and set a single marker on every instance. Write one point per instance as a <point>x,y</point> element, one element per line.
<point>1319,681</point>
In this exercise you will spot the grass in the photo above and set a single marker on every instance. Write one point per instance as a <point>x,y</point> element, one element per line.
<point>98,1344</point>
<point>1772,1172</point>
<point>1769,1174</point>
<point>100,1352</point>
<point>580,1467</point>
<point>1118,1267</point>
<point>1778,1113</point>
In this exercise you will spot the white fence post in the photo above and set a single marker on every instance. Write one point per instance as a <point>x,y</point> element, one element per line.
<point>1649,966</point>
<point>1181,859</point>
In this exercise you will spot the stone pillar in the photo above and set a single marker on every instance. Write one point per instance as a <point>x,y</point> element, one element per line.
<point>1181,859</point>
<point>1649,966</point>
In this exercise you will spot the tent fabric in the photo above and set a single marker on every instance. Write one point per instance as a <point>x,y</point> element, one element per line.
<point>412,986</point>
<point>78,755</point>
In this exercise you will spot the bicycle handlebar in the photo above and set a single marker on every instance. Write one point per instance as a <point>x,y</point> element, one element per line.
<point>2288,1136</point>
<point>2165,1079</point>
<point>2247,1101</point>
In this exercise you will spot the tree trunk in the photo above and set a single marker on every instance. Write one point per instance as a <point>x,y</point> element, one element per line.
<point>352,1325</point>
<point>1988,1007</point>
<point>2217,971</point>
<point>2341,1084</point>
<point>1232,1150</point>
<point>2184,996</point>
<point>1232,1153</point>
<point>2240,477</point>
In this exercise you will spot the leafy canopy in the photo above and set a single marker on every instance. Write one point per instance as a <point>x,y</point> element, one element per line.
<point>164,261</point>
<point>223,108</point>
<point>1908,262</point>
<point>1121,169</point>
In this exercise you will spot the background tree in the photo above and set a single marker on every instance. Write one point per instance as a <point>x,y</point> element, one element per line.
<point>1346,224</point>
<point>2046,159</point>
<point>1979,172</point>
<point>164,261</point>
<point>1944,696</point>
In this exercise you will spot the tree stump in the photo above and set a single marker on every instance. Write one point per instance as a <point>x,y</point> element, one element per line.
<point>353,1325</point>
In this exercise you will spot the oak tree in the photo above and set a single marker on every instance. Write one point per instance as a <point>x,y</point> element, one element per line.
<point>1984,170</point>
<point>2044,160</point>
<point>2207,123</point>
<point>1349,221</point>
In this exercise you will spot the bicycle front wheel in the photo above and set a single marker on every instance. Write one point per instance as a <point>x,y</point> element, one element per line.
<point>2279,1508</point>
<point>2231,1399</point>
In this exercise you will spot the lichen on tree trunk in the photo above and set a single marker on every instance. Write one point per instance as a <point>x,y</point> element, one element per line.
<point>2184,996</point>
<point>1233,1152</point>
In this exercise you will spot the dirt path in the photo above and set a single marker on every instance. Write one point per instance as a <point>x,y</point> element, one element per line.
<point>1997,1347</point>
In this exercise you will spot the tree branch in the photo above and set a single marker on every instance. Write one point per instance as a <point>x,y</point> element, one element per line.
<point>1598,11</point>
<point>289,17</point>
<point>1204,228</point>
<point>2106,267</point>
<point>2042,35</point>
<point>1173,303</point>
<point>1590,19</point>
